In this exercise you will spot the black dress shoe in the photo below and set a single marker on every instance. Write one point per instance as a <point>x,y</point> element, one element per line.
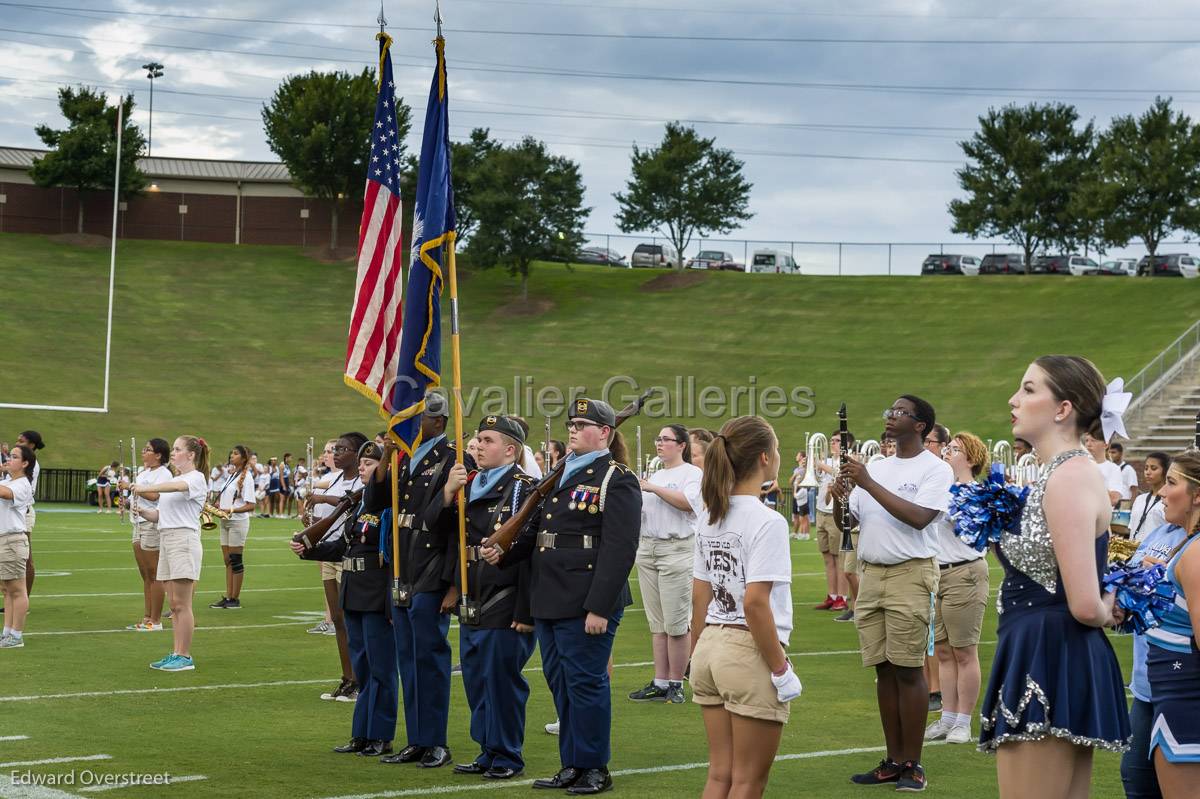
<point>501,773</point>
<point>353,745</point>
<point>592,780</point>
<point>435,757</point>
<point>376,748</point>
<point>563,779</point>
<point>469,768</point>
<point>409,754</point>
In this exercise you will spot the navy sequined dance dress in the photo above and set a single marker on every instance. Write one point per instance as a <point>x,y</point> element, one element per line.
<point>1052,676</point>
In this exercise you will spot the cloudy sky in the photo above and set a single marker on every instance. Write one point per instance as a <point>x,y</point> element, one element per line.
<point>846,114</point>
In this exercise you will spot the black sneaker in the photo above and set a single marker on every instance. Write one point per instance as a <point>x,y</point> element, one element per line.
<point>887,771</point>
<point>935,701</point>
<point>848,615</point>
<point>233,604</point>
<point>651,693</point>
<point>331,696</point>
<point>219,604</point>
<point>675,693</point>
<point>912,779</point>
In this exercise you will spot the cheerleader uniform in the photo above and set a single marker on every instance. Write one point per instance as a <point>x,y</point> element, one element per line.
<point>1052,676</point>
<point>1174,669</point>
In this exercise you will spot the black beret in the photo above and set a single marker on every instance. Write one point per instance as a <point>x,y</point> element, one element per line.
<point>503,424</point>
<point>597,411</point>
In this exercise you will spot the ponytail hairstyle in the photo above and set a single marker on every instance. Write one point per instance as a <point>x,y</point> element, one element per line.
<point>244,454</point>
<point>681,435</point>
<point>732,455</point>
<point>34,438</point>
<point>162,449</point>
<point>199,448</point>
<point>1077,380</point>
<point>29,455</point>
<point>617,448</point>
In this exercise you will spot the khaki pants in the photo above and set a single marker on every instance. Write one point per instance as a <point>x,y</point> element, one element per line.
<point>894,612</point>
<point>962,596</point>
<point>664,568</point>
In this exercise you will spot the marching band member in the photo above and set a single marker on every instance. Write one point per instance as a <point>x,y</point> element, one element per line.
<point>342,480</point>
<point>700,439</point>
<point>1055,691</point>
<point>741,612</point>
<point>180,502</point>
<point>496,645</point>
<point>33,440</point>
<point>1147,511</point>
<point>16,496</point>
<point>428,541</point>
<point>155,455</point>
<point>363,598</point>
<point>583,543</point>
<point>235,496</point>
<point>104,480</point>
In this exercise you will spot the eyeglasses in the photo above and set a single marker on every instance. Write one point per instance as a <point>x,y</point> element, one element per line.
<point>896,413</point>
<point>574,426</point>
<point>336,448</point>
<point>950,449</point>
<point>661,440</point>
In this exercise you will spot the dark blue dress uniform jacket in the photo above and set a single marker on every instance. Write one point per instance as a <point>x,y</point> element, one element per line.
<point>428,547</point>
<point>363,591</point>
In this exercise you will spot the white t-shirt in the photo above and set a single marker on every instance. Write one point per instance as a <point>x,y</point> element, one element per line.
<point>339,486</point>
<point>1129,480</point>
<point>660,519</point>
<point>750,545</point>
<point>230,496</point>
<point>531,467</point>
<point>182,508</point>
<point>924,480</point>
<point>951,548</point>
<point>824,501</point>
<point>1149,515</point>
<point>1112,477</point>
<point>12,511</point>
<point>149,477</point>
<point>37,472</point>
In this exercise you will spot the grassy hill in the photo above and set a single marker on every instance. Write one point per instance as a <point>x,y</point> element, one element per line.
<point>246,344</point>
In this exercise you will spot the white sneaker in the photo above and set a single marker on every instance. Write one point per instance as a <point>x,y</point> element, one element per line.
<point>552,728</point>
<point>960,734</point>
<point>938,730</point>
<point>11,642</point>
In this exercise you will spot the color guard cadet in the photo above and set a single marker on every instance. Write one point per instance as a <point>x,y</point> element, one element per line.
<point>583,542</point>
<point>363,595</point>
<point>496,630</point>
<point>424,594</point>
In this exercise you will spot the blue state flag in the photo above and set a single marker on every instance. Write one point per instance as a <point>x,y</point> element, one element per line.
<point>433,234</point>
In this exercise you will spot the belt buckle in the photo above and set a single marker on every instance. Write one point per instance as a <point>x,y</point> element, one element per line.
<point>546,540</point>
<point>401,594</point>
<point>468,611</point>
<point>586,542</point>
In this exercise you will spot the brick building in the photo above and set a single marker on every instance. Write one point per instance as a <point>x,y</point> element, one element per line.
<point>188,199</point>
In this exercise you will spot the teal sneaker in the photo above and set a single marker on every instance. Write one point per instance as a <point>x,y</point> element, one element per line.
<point>178,663</point>
<point>158,664</point>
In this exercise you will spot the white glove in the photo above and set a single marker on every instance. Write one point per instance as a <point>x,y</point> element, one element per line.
<point>787,685</point>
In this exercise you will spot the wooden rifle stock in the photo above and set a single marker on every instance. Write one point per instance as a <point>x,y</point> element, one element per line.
<point>503,538</point>
<point>310,535</point>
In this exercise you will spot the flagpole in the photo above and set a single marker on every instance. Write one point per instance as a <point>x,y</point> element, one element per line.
<point>395,525</point>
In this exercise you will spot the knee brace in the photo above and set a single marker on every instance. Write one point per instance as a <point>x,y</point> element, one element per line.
<point>235,562</point>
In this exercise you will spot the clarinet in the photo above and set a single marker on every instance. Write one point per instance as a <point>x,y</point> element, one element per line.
<point>844,456</point>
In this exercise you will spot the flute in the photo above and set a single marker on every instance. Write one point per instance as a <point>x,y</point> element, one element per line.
<point>844,455</point>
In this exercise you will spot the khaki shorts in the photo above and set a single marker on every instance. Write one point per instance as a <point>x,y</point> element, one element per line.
<point>962,596</point>
<point>894,612</point>
<point>14,552</point>
<point>829,537</point>
<point>849,558</point>
<point>234,532</point>
<point>665,577</point>
<point>180,554</point>
<point>30,519</point>
<point>148,537</point>
<point>728,670</point>
<point>331,571</point>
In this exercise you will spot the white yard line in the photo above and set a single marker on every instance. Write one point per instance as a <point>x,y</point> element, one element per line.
<point>10,791</point>
<point>214,627</point>
<point>14,737</point>
<point>313,588</point>
<point>172,781</point>
<point>52,761</point>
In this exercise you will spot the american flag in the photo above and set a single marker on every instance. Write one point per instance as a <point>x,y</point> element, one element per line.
<point>375,321</point>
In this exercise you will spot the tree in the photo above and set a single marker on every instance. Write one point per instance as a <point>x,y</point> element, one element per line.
<point>1023,165</point>
<point>528,205</point>
<point>685,186</point>
<point>1149,176</point>
<point>465,158</point>
<point>82,156</point>
<point>318,124</point>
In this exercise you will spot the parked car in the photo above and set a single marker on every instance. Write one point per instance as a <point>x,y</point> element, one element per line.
<point>1006,263</point>
<point>600,255</point>
<point>1064,265</point>
<point>1124,267</point>
<point>715,259</point>
<point>775,261</point>
<point>939,264</point>
<point>1170,265</point>
<point>654,255</point>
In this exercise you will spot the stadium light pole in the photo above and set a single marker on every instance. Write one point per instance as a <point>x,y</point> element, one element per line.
<point>153,70</point>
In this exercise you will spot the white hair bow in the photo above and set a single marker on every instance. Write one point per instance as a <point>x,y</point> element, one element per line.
<point>1112,409</point>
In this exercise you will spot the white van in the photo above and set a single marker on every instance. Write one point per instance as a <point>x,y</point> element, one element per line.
<point>774,261</point>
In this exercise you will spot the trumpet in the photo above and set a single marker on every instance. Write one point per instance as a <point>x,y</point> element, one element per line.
<point>1002,453</point>
<point>209,514</point>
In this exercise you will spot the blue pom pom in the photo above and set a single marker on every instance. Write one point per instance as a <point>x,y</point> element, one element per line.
<point>1142,592</point>
<point>982,512</point>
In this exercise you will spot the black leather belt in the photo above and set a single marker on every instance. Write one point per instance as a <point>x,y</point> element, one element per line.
<point>565,541</point>
<point>944,566</point>
<point>370,563</point>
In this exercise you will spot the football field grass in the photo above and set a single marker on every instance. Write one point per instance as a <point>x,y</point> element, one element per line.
<point>80,699</point>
